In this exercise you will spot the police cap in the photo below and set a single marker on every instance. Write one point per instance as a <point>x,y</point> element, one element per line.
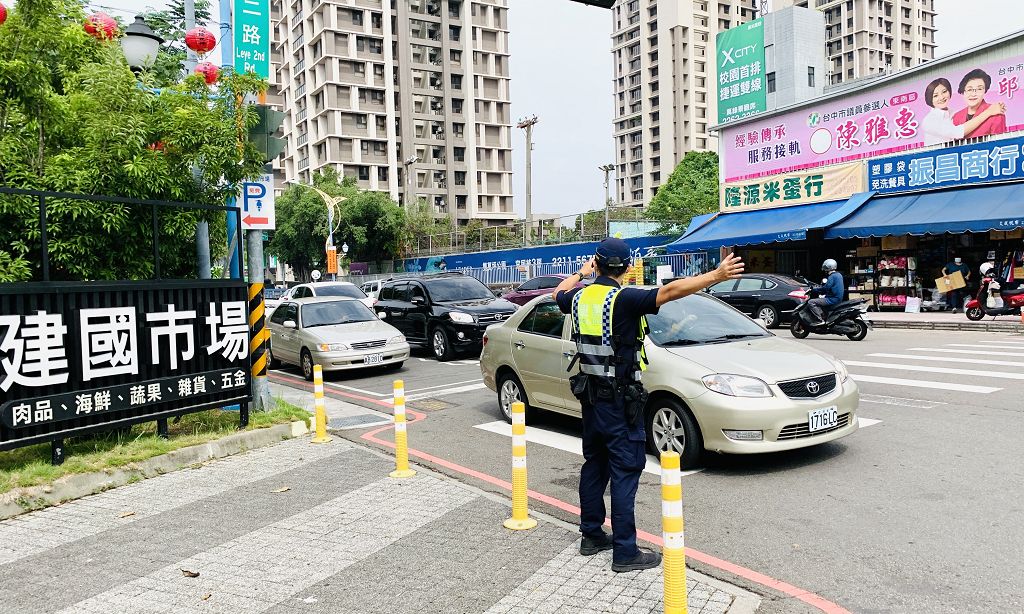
<point>613,253</point>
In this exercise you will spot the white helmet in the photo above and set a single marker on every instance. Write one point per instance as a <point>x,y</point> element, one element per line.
<point>986,267</point>
<point>829,265</point>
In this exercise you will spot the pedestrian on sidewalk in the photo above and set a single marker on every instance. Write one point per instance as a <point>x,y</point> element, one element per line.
<point>609,329</point>
<point>955,298</point>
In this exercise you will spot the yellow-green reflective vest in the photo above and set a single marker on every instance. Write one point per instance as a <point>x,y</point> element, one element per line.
<point>592,312</point>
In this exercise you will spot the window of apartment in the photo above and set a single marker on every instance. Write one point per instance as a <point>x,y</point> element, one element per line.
<point>457,82</point>
<point>770,77</point>
<point>455,57</point>
<point>359,68</point>
<point>460,154</point>
<point>702,143</point>
<point>457,106</point>
<point>381,122</point>
<point>810,76</point>
<point>454,33</point>
<point>458,129</point>
<point>361,123</point>
<point>364,173</point>
<point>377,21</point>
<point>376,45</point>
<point>378,70</point>
<point>357,17</point>
<point>460,177</point>
<point>321,151</point>
<point>382,173</point>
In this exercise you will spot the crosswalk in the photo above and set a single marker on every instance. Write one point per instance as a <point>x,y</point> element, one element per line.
<point>983,367</point>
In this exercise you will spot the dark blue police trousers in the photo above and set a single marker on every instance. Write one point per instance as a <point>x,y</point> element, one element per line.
<point>612,450</point>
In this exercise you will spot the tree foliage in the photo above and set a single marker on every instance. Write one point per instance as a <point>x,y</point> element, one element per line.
<point>169,24</point>
<point>691,190</point>
<point>74,118</point>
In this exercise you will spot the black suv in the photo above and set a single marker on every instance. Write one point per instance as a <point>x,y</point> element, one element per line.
<point>447,312</point>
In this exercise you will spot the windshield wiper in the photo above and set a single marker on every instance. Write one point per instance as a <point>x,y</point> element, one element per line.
<point>678,342</point>
<point>735,336</point>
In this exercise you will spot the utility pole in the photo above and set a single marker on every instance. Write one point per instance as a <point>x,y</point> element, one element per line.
<point>607,168</point>
<point>202,227</point>
<point>528,124</point>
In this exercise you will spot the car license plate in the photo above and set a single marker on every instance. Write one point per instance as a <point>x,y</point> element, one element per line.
<point>821,419</point>
<point>372,359</point>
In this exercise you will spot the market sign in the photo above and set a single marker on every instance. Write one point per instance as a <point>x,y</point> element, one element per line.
<point>882,121</point>
<point>740,71</point>
<point>954,166</point>
<point>798,188</point>
<point>77,356</point>
<point>251,36</point>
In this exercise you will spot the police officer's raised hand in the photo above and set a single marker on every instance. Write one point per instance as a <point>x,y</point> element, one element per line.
<point>730,268</point>
<point>588,268</point>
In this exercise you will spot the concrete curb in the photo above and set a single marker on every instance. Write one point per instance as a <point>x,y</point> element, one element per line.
<point>22,500</point>
<point>992,327</point>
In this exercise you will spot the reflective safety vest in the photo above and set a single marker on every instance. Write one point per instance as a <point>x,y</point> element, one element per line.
<point>596,345</point>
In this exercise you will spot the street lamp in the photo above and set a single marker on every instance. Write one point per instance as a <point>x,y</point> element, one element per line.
<point>140,45</point>
<point>607,168</point>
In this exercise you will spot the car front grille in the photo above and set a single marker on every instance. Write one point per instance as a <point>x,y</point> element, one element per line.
<point>487,318</point>
<point>810,387</point>
<point>369,345</point>
<point>799,431</point>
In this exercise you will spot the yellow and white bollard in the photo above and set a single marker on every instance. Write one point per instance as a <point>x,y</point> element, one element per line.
<point>401,438</point>
<point>520,519</point>
<point>673,552</point>
<point>318,403</point>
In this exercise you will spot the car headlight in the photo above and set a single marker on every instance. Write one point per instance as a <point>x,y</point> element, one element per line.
<point>332,347</point>
<point>736,385</point>
<point>461,317</point>
<point>842,371</point>
<point>396,339</point>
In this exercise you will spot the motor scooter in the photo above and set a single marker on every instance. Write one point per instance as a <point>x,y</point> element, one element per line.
<point>992,299</point>
<point>845,318</point>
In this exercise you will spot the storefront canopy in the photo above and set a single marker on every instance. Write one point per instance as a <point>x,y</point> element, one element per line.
<point>765,225</point>
<point>980,209</point>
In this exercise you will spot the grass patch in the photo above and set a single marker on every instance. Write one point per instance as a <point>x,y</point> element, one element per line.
<point>30,466</point>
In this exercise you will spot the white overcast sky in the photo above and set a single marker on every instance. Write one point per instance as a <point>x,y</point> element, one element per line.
<point>562,72</point>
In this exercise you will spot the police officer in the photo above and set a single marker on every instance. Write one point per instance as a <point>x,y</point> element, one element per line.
<point>609,327</point>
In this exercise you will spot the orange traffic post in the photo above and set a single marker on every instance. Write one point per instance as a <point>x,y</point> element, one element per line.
<point>402,469</point>
<point>320,408</point>
<point>673,551</point>
<point>520,519</point>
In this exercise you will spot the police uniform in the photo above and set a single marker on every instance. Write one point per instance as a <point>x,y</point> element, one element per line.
<point>608,322</point>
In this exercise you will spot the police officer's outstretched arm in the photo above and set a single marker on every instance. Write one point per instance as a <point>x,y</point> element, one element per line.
<point>730,268</point>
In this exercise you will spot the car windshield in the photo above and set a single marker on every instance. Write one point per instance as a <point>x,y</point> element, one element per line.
<point>340,290</point>
<point>700,319</point>
<point>457,289</point>
<point>335,312</point>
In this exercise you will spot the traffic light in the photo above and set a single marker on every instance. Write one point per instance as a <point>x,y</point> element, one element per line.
<point>262,134</point>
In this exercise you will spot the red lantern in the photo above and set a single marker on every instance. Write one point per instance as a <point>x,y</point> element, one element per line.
<point>3,14</point>
<point>200,40</point>
<point>209,71</point>
<point>101,26</point>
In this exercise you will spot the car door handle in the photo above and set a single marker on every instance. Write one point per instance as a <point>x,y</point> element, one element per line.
<point>568,354</point>
<point>755,295</point>
<point>520,344</point>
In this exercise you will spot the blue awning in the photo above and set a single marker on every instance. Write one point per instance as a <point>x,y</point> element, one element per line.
<point>699,221</point>
<point>980,209</point>
<point>762,226</point>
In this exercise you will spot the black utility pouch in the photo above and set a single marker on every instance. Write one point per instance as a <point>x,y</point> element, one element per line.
<point>636,400</point>
<point>580,385</point>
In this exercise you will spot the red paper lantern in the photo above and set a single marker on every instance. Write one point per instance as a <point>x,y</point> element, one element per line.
<point>200,40</point>
<point>209,71</point>
<point>3,14</point>
<point>101,26</point>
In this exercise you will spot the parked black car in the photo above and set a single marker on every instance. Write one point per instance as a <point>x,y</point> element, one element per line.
<point>761,296</point>
<point>447,312</point>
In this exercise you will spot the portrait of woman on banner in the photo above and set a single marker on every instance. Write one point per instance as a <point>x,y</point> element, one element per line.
<point>940,126</point>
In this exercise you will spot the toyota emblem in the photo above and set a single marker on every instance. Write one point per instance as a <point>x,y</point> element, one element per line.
<point>813,387</point>
<point>499,316</point>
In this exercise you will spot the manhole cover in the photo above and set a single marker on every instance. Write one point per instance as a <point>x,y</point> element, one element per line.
<point>431,405</point>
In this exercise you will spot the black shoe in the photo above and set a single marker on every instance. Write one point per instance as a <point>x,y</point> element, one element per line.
<point>645,560</point>
<point>590,546</point>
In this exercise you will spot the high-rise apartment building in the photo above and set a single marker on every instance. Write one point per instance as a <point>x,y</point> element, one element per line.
<point>869,37</point>
<point>663,55</point>
<point>409,97</point>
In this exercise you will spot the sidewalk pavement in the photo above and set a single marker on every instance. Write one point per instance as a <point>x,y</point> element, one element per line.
<point>299,528</point>
<point>943,320</point>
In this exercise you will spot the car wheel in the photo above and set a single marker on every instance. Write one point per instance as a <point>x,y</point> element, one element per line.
<point>272,362</point>
<point>860,333</point>
<point>440,345</point>
<point>798,329</point>
<point>510,390</point>
<point>306,360</point>
<point>769,315</point>
<point>671,427</point>
<point>975,314</point>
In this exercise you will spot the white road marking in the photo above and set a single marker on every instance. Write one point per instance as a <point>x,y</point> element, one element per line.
<point>984,351</point>
<point>441,394</point>
<point>359,390</point>
<point>469,381</point>
<point>561,441</point>
<point>955,359</point>
<point>866,422</point>
<point>975,345</point>
<point>932,369</point>
<point>1015,343</point>
<point>915,403</point>
<point>913,383</point>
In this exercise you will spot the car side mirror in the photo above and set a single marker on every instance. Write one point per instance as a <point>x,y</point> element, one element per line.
<point>290,324</point>
<point>382,315</point>
<point>418,300</point>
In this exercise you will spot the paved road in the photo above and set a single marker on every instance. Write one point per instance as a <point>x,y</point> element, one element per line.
<point>919,511</point>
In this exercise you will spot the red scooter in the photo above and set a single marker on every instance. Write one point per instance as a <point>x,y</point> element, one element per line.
<point>992,299</point>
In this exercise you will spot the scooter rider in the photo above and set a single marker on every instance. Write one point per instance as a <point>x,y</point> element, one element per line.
<point>832,292</point>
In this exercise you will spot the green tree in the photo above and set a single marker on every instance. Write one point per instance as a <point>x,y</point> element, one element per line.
<point>301,235</point>
<point>170,25</point>
<point>373,225</point>
<point>421,223</point>
<point>74,118</point>
<point>691,190</point>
